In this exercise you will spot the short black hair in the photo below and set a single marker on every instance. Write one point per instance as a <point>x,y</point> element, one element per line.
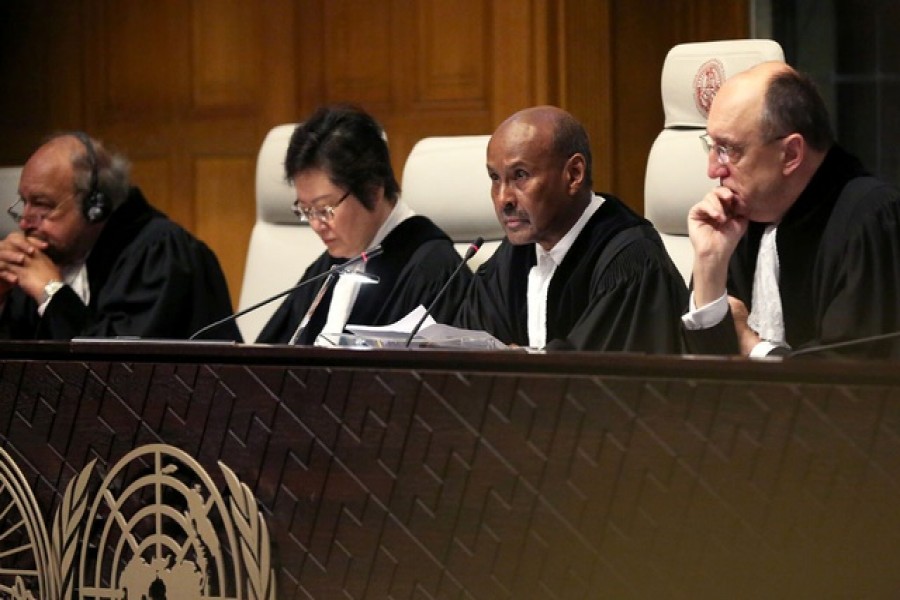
<point>350,146</point>
<point>570,138</point>
<point>793,105</point>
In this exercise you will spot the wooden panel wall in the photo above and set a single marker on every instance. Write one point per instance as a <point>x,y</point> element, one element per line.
<point>189,89</point>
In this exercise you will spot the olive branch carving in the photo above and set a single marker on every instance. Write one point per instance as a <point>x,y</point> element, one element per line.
<point>66,528</point>
<point>255,546</point>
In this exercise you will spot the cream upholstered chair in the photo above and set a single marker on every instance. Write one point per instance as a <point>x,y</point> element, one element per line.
<point>445,179</point>
<point>9,191</point>
<point>281,247</point>
<point>676,168</point>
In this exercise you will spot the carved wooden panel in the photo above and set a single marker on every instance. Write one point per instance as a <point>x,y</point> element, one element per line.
<point>450,59</point>
<point>182,81</point>
<point>153,176</point>
<point>357,59</point>
<point>137,67</point>
<point>643,480</point>
<point>225,207</point>
<point>226,56</point>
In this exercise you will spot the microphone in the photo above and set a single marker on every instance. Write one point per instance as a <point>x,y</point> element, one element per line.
<point>470,252</point>
<point>845,344</point>
<point>335,270</point>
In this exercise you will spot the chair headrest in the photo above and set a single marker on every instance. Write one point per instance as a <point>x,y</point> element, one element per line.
<point>9,191</point>
<point>445,179</point>
<point>692,74</point>
<point>274,195</point>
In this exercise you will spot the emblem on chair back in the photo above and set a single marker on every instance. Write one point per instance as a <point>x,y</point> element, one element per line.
<point>707,81</point>
<point>157,527</point>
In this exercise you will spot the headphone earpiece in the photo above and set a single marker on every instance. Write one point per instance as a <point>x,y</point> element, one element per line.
<point>95,206</point>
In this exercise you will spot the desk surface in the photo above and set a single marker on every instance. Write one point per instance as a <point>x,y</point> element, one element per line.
<point>433,473</point>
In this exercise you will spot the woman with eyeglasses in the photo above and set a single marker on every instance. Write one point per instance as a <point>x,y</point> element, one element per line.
<point>339,165</point>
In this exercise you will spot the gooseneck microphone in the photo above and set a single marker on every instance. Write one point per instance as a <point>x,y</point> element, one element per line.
<point>470,252</point>
<point>871,339</point>
<point>332,272</point>
<point>301,327</point>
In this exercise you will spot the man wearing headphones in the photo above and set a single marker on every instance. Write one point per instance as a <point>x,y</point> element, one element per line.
<point>93,259</point>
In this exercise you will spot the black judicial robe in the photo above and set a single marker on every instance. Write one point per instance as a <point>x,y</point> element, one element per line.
<point>148,278</point>
<point>839,255</point>
<point>616,289</point>
<point>417,260</point>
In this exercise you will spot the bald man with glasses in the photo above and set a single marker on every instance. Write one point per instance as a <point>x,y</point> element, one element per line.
<point>798,247</point>
<point>92,258</point>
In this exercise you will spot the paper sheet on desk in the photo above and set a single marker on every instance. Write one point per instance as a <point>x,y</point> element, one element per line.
<point>431,334</point>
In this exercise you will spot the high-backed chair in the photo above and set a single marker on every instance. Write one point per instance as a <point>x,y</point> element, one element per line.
<point>676,168</point>
<point>281,247</point>
<point>445,179</point>
<point>9,191</point>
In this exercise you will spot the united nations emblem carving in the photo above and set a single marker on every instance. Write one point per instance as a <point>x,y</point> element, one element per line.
<point>709,78</point>
<point>157,527</point>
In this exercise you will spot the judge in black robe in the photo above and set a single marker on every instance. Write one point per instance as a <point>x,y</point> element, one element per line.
<point>417,259</point>
<point>339,165</point>
<point>839,254</point>
<point>146,276</point>
<point>836,265</point>
<point>615,287</point>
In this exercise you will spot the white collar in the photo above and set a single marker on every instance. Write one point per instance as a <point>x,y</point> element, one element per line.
<point>558,252</point>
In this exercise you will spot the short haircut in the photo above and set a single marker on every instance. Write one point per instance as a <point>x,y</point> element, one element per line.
<point>349,146</point>
<point>570,137</point>
<point>113,168</point>
<point>793,105</point>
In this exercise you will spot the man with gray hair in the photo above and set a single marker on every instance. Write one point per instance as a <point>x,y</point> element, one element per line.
<point>93,259</point>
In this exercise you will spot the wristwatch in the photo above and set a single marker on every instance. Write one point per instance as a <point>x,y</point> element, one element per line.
<point>51,288</point>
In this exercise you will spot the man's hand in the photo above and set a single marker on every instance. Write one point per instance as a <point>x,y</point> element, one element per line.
<point>715,226</point>
<point>24,264</point>
<point>747,338</point>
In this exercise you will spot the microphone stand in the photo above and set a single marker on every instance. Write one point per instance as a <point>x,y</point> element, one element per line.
<point>332,276</point>
<point>473,248</point>
<point>364,257</point>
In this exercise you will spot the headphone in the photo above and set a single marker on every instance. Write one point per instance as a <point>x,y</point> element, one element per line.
<point>95,206</point>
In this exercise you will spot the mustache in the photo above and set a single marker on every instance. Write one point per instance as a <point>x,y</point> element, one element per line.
<point>509,210</point>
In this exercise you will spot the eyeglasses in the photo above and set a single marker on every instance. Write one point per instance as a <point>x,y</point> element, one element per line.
<point>40,210</point>
<point>728,153</point>
<point>323,214</point>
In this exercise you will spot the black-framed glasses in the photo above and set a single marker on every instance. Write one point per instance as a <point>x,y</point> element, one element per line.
<point>323,213</point>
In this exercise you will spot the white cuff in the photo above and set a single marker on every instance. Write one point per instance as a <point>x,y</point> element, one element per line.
<point>706,316</point>
<point>763,348</point>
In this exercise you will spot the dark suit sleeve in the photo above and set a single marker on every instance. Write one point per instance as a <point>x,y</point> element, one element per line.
<point>169,288</point>
<point>495,300</point>
<point>635,304</point>
<point>859,288</point>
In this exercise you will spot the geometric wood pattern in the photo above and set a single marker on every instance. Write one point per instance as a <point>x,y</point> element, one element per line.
<point>435,474</point>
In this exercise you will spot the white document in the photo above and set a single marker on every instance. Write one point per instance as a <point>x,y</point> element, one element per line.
<point>431,334</point>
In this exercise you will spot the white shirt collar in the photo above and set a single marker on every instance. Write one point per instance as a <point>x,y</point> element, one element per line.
<point>401,212</point>
<point>561,248</point>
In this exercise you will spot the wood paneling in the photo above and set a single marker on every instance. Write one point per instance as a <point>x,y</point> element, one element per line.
<point>152,175</point>
<point>227,52</point>
<point>136,60</point>
<point>224,189</point>
<point>188,89</point>
<point>450,65</point>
